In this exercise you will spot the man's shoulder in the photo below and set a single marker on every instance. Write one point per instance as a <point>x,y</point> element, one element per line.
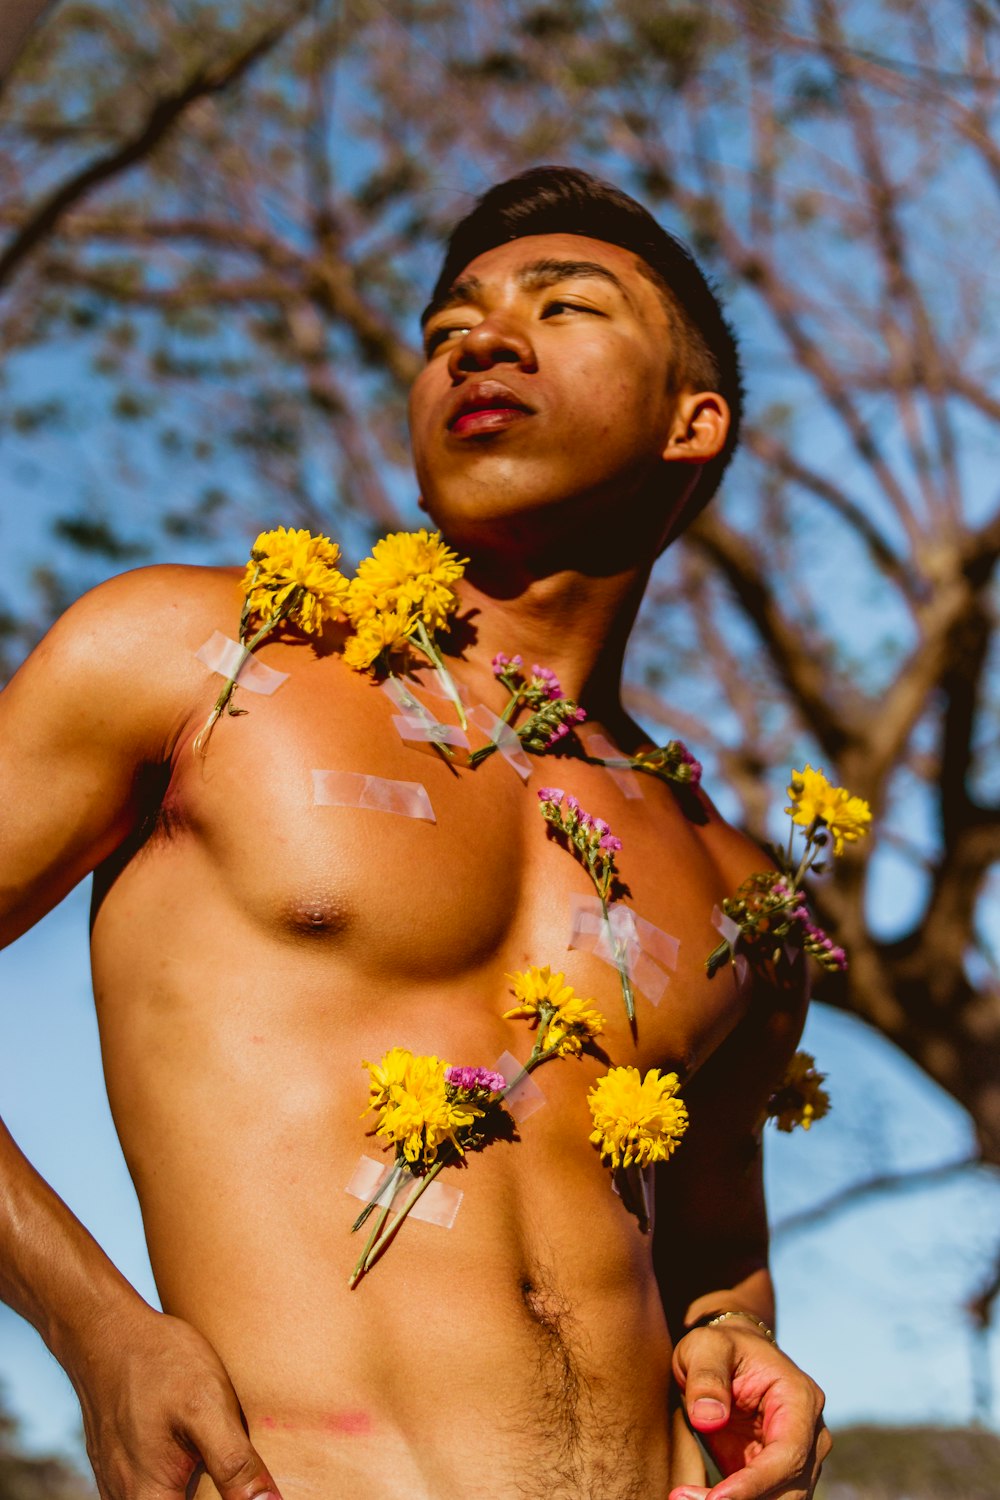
<point>121,658</point>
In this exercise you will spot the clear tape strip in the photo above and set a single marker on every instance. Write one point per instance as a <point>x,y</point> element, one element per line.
<point>501,735</point>
<point>414,724</point>
<point>374,793</point>
<point>228,658</point>
<point>647,1178</point>
<point>435,689</point>
<point>372,1182</point>
<point>625,779</point>
<point>624,937</point>
<point>525,1098</point>
<point>725,926</point>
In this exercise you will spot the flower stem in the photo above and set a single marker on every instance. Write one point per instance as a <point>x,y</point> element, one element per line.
<point>377,1247</point>
<point>445,751</point>
<point>390,1185</point>
<point>361,1267</point>
<point>433,655</point>
<point>628,994</point>
<point>201,739</point>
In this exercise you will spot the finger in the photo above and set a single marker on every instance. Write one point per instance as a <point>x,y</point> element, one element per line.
<point>780,1471</point>
<point>703,1364</point>
<point>232,1462</point>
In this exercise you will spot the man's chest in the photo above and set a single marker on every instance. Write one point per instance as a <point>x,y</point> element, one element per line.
<point>333,834</point>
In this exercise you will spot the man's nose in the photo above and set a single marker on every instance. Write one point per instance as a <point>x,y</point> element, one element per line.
<point>497,340</point>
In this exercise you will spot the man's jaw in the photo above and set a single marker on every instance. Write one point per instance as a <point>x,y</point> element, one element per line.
<point>482,407</point>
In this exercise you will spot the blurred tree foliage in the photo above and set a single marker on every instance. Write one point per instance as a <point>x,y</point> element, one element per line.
<point>218,223</point>
<point>24,1477</point>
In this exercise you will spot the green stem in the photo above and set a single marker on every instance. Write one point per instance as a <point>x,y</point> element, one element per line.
<point>429,649</point>
<point>445,751</point>
<point>391,1182</point>
<point>360,1267</point>
<point>201,739</point>
<point>628,994</point>
<point>375,1252</point>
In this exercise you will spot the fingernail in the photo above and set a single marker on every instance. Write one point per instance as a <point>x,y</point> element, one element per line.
<point>705,1410</point>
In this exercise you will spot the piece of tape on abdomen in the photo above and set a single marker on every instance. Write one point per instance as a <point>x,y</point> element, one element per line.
<point>415,725</point>
<point>624,938</point>
<point>525,1098</point>
<point>408,799</point>
<point>501,735</point>
<point>616,765</point>
<point>731,932</point>
<point>375,1182</point>
<point>230,659</point>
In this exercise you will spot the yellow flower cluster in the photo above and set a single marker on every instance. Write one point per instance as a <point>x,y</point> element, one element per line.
<point>293,568</point>
<point>815,798</point>
<point>799,1099</point>
<point>410,1095</point>
<point>636,1119</point>
<point>408,580</point>
<point>547,1001</point>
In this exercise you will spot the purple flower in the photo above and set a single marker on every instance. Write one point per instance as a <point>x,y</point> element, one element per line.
<point>549,681</point>
<point>550,794</point>
<point>572,803</point>
<point>579,714</point>
<point>610,843</point>
<point>475,1078</point>
<point>501,663</point>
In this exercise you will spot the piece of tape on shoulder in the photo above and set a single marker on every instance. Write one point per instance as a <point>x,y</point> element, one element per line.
<point>374,793</point>
<point>624,939</point>
<point>644,1182</point>
<point>378,1183</point>
<point>525,1098</point>
<point>230,659</point>
<point>617,766</point>
<point>501,735</point>
<point>415,725</point>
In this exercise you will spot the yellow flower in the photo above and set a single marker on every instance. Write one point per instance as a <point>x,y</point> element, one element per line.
<point>410,1094</point>
<point>545,997</point>
<point>289,567</point>
<point>799,1099</point>
<point>414,568</point>
<point>813,796</point>
<point>637,1119</point>
<point>377,635</point>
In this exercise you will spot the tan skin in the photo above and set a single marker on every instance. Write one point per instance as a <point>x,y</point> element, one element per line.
<point>251,948</point>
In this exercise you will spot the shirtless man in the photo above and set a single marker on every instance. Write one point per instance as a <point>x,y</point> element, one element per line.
<point>251,948</point>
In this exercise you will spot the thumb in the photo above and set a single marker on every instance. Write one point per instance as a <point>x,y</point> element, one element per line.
<point>703,1367</point>
<point>231,1461</point>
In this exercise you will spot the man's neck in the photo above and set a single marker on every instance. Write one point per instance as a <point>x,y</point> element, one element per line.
<point>577,624</point>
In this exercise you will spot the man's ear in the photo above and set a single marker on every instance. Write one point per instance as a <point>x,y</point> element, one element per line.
<point>699,428</point>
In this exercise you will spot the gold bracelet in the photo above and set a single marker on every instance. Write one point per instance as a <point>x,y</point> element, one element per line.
<point>711,1319</point>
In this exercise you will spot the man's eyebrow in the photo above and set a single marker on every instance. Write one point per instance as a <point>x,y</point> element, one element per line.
<point>534,277</point>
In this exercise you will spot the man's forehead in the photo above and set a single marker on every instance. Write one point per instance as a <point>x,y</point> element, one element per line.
<point>539,260</point>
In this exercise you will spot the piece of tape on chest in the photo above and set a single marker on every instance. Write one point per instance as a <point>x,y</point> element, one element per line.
<point>731,932</point>
<point>501,735</point>
<point>380,1184</point>
<point>230,659</point>
<point>616,765</point>
<point>415,725</point>
<point>524,1098</point>
<point>408,799</point>
<point>624,938</point>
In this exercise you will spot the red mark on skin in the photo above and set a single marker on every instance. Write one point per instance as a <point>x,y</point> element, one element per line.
<point>349,1423</point>
<point>257,1039</point>
<point>268,1422</point>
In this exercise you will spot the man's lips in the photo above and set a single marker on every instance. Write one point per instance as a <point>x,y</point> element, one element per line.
<point>486,407</point>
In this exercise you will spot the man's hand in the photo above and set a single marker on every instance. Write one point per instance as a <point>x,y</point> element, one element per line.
<point>759,1416</point>
<point>157,1405</point>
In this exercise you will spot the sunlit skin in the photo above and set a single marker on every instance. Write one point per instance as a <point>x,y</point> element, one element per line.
<point>251,948</point>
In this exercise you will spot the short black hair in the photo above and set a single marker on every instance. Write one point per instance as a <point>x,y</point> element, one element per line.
<point>566,200</point>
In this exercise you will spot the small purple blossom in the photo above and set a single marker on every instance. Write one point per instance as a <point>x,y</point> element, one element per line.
<point>550,794</point>
<point>549,681</point>
<point>475,1078</point>
<point>610,843</point>
<point>503,663</point>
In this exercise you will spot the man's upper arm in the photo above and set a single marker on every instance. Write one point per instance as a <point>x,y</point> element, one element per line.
<point>711,1219</point>
<point>101,697</point>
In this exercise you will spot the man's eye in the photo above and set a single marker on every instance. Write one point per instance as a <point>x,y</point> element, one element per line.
<point>560,305</point>
<point>440,335</point>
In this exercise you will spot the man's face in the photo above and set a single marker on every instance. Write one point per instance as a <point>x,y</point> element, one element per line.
<point>545,392</point>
